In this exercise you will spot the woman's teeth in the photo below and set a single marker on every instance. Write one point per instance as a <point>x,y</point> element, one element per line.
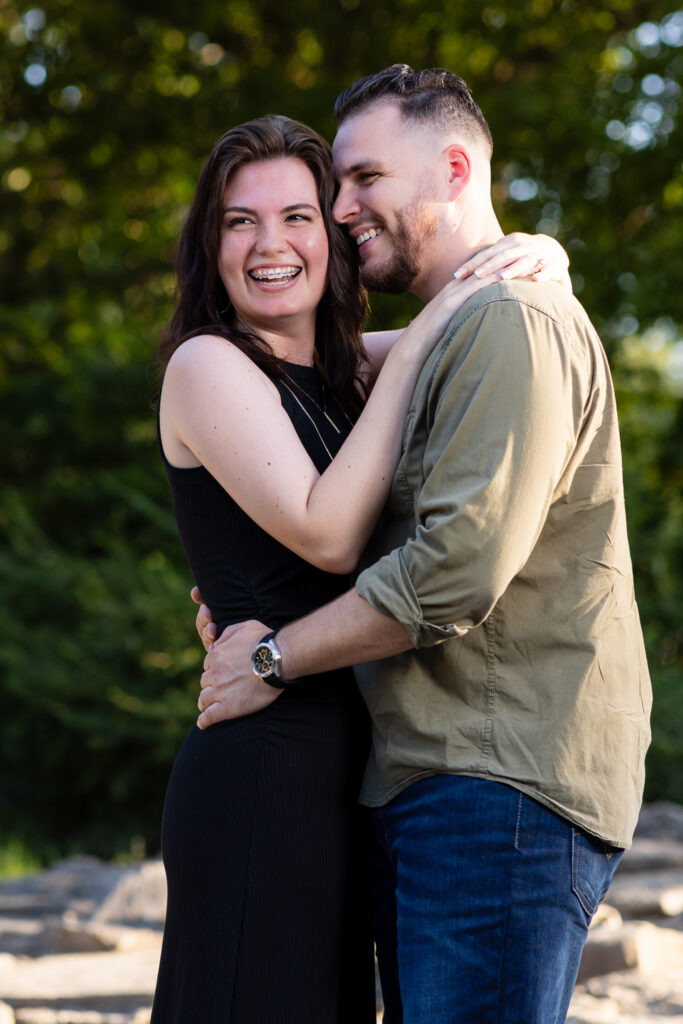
<point>275,273</point>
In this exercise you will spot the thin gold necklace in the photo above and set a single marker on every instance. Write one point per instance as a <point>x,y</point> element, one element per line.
<point>321,409</point>
<point>309,417</point>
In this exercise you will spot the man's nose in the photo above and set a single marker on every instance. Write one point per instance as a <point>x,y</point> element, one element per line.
<point>346,206</point>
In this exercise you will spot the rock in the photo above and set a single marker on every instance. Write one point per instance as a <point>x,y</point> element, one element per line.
<point>608,950</point>
<point>654,989</point>
<point>20,935</point>
<point>613,945</point>
<point>80,884</point>
<point>648,894</point>
<point>125,939</point>
<point>44,1015</point>
<point>66,934</point>
<point>70,937</point>
<point>27,904</point>
<point>659,950</point>
<point>661,821</point>
<point>6,1014</point>
<point>632,997</point>
<point>606,917</point>
<point>652,855</point>
<point>139,898</point>
<point>104,982</point>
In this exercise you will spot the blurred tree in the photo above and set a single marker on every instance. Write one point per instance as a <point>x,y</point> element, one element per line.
<point>108,110</point>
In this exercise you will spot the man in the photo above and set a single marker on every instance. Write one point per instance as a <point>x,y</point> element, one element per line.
<point>503,662</point>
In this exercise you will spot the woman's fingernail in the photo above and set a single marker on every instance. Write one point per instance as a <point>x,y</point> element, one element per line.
<point>460,273</point>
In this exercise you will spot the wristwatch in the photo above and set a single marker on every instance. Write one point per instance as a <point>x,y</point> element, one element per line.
<point>266,662</point>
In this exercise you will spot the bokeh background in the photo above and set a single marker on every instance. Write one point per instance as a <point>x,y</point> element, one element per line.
<point>109,108</point>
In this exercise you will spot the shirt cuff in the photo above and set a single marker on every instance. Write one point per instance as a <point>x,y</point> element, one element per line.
<point>387,586</point>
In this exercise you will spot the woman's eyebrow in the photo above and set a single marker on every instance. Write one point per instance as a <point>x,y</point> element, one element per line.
<point>299,206</point>
<point>285,209</point>
<point>238,209</point>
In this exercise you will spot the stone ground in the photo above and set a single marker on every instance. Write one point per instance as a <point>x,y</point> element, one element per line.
<point>79,943</point>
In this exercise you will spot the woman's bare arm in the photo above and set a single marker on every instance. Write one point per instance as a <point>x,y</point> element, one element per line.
<point>219,410</point>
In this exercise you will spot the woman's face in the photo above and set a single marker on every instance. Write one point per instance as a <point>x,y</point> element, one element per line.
<point>274,250</point>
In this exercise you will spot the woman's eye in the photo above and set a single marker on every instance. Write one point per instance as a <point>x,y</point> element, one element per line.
<point>235,222</point>
<point>297,217</point>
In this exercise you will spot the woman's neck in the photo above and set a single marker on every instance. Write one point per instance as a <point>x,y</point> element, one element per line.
<point>292,346</point>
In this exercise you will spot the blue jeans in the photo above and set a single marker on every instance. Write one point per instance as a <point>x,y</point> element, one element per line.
<point>482,903</point>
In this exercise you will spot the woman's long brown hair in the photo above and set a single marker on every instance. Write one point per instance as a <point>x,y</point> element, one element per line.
<point>204,306</point>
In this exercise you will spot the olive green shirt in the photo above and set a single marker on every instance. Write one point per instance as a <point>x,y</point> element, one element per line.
<point>503,551</point>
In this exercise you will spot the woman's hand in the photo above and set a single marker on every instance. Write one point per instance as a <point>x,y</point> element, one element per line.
<point>206,627</point>
<point>538,257</point>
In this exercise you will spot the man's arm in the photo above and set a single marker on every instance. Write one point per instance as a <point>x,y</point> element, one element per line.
<point>347,631</point>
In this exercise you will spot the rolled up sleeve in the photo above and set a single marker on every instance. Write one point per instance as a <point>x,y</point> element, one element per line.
<point>501,416</point>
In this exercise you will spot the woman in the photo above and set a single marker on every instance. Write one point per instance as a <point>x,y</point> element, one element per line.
<point>275,496</point>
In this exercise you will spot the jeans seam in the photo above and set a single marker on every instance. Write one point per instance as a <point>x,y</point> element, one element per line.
<point>499,1008</point>
<point>518,826</point>
<point>580,894</point>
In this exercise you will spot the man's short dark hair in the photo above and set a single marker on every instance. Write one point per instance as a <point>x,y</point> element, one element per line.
<point>434,96</point>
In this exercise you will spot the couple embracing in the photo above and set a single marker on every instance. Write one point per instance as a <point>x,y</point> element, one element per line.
<point>470,467</point>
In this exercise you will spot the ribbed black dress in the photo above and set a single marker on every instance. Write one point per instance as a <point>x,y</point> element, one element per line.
<point>265,848</point>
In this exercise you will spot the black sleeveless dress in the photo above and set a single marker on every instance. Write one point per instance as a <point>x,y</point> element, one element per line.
<point>264,845</point>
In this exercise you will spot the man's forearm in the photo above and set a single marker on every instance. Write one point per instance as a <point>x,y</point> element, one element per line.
<point>347,631</point>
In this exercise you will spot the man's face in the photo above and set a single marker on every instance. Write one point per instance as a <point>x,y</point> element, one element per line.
<point>387,194</point>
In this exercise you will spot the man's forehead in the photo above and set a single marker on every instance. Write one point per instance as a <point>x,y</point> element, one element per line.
<point>364,138</point>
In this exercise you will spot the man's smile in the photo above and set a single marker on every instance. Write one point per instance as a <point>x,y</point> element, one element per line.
<point>367,235</point>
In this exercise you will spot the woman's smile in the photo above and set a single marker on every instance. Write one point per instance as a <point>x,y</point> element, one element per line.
<point>276,277</point>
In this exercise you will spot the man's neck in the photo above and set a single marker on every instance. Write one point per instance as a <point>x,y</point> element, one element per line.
<point>450,252</point>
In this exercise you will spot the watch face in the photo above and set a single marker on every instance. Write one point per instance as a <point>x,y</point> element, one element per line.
<point>263,660</point>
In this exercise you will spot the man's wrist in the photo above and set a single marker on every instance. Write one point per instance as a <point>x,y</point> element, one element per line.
<point>285,654</point>
<point>267,662</point>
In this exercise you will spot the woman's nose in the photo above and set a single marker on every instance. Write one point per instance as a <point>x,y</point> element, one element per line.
<point>271,238</point>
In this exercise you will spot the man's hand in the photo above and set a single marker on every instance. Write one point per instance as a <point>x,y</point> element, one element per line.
<point>230,687</point>
<point>206,627</point>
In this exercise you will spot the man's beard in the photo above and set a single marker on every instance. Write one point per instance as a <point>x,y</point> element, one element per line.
<point>415,225</point>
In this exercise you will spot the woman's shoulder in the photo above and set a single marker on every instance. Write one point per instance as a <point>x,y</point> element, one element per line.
<point>209,371</point>
<point>197,349</point>
<point>214,356</point>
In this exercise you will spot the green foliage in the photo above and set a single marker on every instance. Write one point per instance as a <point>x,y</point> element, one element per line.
<point>17,860</point>
<point>108,110</point>
<point>651,428</point>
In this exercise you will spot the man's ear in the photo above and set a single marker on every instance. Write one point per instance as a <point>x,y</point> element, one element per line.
<point>458,168</point>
